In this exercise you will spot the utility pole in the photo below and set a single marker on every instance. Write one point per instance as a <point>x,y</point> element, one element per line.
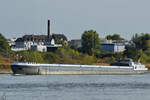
<point>93,44</point>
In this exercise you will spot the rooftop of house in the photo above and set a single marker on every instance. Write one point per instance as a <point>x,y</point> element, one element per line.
<point>113,44</point>
<point>41,38</point>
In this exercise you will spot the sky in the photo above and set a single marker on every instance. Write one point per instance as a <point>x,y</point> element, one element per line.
<point>73,17</point>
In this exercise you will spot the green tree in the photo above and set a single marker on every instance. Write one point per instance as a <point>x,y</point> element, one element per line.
<point>50,57</point>
<point>4,46</point>
<point>67,55</point>
<point>114,37</point>
<point>86,59</point>
<point>130,52</point>
<point>0,58</point>
<point>62,42</point>
<point>147,52</point>
<point>147,45</point>
<point>32,56</point>
<point>141,56</point>
<point>142,41</point>
<point>90,42</point>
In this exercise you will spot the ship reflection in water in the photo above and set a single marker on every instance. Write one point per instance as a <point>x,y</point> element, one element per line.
<point>75,87</point>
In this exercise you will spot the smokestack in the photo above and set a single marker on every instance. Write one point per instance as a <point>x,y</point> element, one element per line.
<point>48,28</point>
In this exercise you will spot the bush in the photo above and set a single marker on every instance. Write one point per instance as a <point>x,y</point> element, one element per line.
<point>86,59</point>
<point>50,57</point>
<point>61,56</point>
<point>31,56</point>
<point>0,58</point>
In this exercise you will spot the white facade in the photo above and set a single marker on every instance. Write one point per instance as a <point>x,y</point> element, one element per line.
<point>22,45</point>
<point>40,48</point>
<point>119,48</point>
<point>26,45</point>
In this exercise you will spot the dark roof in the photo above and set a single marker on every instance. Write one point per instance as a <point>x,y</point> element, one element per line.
<point>34,37</point>
<point>19,40</point>
<point>41,38</point>
<point>113,44</point>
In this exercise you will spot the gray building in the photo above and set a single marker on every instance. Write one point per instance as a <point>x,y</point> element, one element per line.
<point>106,45</point>
<point>112,47</point>
<point>75,42</point>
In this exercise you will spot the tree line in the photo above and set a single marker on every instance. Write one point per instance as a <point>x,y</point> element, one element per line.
<point>89,53</point>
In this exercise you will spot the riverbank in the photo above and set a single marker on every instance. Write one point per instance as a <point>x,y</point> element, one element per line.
<point>6,69</point>
<point>5,65</point>
<point>5,72</point>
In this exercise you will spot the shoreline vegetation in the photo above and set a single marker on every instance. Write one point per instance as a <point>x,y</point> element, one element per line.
<point>90,53</point>
<point>5,65</point>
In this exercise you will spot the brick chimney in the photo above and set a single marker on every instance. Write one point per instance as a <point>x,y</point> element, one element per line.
<point>48,29</point>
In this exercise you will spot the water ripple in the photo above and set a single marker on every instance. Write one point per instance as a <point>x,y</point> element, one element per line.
<point>77,85</point>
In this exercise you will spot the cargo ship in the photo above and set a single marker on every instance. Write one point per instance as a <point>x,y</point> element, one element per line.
<point>126,66</point>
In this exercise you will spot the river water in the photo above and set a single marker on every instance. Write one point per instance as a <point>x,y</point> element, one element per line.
<point>75,87</point>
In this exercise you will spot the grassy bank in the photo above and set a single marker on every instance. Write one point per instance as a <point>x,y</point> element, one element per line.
<point>148,66</point>
<point>5,65</point>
